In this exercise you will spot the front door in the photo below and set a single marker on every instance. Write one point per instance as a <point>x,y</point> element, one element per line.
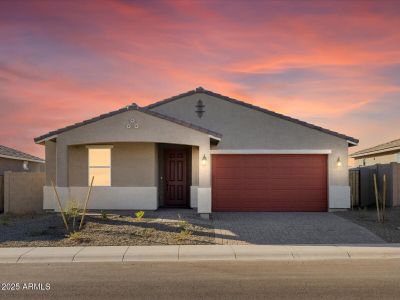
<point>175,184</point>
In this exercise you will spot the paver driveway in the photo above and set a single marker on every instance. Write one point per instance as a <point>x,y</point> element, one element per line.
<point>289,228</point>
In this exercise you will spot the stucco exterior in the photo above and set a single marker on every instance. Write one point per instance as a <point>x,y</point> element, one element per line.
<point>247,129</point>
<point>137,160</point>
<point>134,160</point>
<point>379,158</point>
<point>16,165</point>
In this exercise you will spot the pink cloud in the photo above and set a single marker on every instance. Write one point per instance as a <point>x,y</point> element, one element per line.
<point>65,61</point>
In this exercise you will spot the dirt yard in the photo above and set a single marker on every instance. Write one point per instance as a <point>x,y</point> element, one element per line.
<point>388,231</point>
<point>104,230</point>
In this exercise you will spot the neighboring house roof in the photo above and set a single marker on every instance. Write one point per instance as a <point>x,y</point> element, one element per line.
<point>382,148</point>
<point>131,107</point>
<point>200,90</point>
<point>7,152</point>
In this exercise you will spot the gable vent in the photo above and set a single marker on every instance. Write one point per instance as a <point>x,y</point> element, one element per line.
<point>200,108</point>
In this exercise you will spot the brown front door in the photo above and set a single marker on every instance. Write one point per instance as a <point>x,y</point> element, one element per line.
<point>175,184</point>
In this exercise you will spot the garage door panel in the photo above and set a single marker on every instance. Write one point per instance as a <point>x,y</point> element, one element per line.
<point>254,172</point>
<point>300,172</point>
<point>228,172</point>
<point>269,183</point>
<point>299,184</point>
<point>257,184</point>
<point>227,183</point>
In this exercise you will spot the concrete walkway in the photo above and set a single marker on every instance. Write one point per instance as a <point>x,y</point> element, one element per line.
<point>197,253</point>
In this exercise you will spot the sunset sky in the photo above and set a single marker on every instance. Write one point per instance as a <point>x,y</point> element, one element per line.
<point>334,64</point>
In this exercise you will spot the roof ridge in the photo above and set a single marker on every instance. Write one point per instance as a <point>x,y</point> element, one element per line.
<point>255,107</point>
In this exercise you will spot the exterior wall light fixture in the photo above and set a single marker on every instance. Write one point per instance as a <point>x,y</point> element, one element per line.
<point>339,162</point>
<point>204,160</point>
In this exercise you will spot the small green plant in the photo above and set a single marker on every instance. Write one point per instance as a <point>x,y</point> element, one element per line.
<point>139,215</point>
<point>146,232</point>
<point>184,235</point>
<point>183,225</point>
<point>72,211</point>
<point>4,220</point>
<point>104,215</point>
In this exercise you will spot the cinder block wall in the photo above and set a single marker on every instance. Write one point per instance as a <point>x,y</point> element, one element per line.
<point>23,192</point>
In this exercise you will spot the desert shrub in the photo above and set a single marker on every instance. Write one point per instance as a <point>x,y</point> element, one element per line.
<point>146,232</point>
<point>4,220</point>
<point>184,235</point>
<point>104,215</point>
<point>183,224</point>
<point>72,212</point>
<point>78,237</point>
<point>139,215</point>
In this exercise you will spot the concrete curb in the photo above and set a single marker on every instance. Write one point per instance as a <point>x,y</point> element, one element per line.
<point>198,253</point>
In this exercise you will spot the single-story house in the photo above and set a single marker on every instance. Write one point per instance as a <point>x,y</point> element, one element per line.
<point>202,150</point>
<point>18,161</point>
<point>381,154</point>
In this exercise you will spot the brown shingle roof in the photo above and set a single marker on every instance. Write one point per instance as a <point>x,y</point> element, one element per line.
<point>248,105</point>
<point>128,108</point>
<point>386,147</point>
<point>16,154</point>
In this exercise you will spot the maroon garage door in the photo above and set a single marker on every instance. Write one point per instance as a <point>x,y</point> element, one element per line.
<point>269,182</point>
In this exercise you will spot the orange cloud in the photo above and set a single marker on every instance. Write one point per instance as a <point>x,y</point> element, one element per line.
<point>64,61</point>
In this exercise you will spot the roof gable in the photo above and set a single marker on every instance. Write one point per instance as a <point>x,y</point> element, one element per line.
<point>131,107</point>
<point>352,141</point>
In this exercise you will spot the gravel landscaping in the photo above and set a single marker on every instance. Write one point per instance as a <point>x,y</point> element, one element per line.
<point>389,231</point>
<point>185,227</point>
<point>118,230</point>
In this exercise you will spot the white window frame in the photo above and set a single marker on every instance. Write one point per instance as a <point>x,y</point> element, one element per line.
<point>100,167</point>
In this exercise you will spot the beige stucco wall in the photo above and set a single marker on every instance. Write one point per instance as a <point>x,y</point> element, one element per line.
<point>113,130</point>
<point>245,128</point>
<point>132,164</point>
<point>51,165</point>
<point>195,166</point>
<point>78,165</point>
<point>16,165</point>
<point>378,159</point>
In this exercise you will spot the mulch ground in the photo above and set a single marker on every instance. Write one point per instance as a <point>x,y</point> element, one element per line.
<point>116,230</point>
<point>388,231</point>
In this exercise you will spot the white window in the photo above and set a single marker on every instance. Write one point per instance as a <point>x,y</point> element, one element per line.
<point>100,165</point>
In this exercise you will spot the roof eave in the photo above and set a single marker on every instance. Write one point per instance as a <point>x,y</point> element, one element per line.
<point>21,158</point>
<point>358,155</point>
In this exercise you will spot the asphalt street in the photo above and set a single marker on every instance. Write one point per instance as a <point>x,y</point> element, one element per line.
<point>358,279</point>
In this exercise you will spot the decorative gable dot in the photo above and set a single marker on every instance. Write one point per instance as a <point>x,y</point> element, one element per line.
<point>200,108</point>
<point>132,123</point>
